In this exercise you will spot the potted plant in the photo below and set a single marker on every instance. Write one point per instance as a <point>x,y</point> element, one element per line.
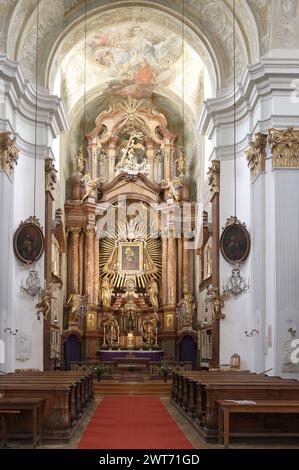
<point>165,370</point>
<point>99,370</point>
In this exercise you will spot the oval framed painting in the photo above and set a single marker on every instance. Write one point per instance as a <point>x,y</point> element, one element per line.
<point>28,241</point>
<point>235,242</point>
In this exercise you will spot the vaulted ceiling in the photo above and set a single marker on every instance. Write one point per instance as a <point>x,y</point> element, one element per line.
<point>142,47</point>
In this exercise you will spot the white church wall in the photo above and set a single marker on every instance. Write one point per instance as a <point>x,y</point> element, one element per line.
<point>16,204</point>
<point>23,307</point>
<point>287,261</point>
<point>237,310</point>
<point>6,255</point>
<point>265,99</point>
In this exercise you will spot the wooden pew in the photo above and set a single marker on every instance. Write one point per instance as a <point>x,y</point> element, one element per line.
<point>66,395</point>
<point>196,393</point>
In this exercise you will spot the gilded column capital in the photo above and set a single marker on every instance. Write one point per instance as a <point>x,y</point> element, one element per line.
<point>74,231</point>
<point>256,155</point>
<point>90,231</point>
<point>284,145</point>
<point>50,175</point>
<point>214,177</point>
<point>9,152</point>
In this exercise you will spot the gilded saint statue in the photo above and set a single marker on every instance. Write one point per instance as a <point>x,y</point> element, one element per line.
<point>149,329</point>
<point>106,293</point>
<point>80,161</point>
<point>153,291</point>
<point>74,303</point>
<point>186,308</point>
<point>181,162</point>
<point>111,331</point>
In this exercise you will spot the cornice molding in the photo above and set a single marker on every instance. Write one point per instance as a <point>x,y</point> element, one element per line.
<point>21,95</point>
<point>270,77</point>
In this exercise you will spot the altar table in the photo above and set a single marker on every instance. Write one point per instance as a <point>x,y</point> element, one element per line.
<point>108,356</point>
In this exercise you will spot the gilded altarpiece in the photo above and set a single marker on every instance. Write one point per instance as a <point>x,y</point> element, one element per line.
<point>126,248</point>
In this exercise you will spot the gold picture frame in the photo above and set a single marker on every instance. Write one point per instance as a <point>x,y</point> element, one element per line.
<point>130,257</point>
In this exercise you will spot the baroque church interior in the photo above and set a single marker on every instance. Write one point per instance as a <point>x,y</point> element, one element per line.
<point>149,209</point>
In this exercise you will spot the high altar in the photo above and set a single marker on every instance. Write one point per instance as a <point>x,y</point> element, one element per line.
<point>130,272</point>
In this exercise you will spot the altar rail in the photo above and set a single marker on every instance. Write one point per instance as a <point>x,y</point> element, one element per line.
<point>155,367</point>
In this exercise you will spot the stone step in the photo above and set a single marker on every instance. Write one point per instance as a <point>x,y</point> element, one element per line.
<point>105,388</point>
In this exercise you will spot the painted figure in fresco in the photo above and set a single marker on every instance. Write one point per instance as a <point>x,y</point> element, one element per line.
<point>74,303</point>
<point>106,293</point>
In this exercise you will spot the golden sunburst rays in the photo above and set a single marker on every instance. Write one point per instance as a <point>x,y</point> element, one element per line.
<point>136,229</point>
<point>133,111</point>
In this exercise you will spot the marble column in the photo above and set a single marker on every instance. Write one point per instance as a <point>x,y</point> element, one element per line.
<point>112,154</point>
<point>89,262</point>
<point>93,159</point>
<point>75,233</point>
<point>163,295</point>
<point>149,152</point>
<point>50,181</point>
<point>172,270</point>
<point>180,268</point>
<point>96,270</point>
<point>186,267</point>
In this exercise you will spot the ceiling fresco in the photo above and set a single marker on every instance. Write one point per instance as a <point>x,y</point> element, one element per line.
<point>131,59</point>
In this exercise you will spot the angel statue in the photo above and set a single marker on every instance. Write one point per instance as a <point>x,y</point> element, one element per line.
<point>74,303</point>
<point>173,187</point>
<point>80,160</point>
<point>153,291</point>
<point>128,161</point>
<point>218,301</point>
<point>44,306</point>
<point>90,186</point>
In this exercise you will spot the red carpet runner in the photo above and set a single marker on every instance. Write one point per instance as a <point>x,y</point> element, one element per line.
<point>132,423</point>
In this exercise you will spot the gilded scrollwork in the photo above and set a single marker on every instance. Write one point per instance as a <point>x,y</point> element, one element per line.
<point>284,145</point>
<point>50,173</point>
<point>256,155</point>
<point>9,152</point>
<point>214,177</point>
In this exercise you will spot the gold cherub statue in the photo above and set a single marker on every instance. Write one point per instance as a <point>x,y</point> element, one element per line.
<point>217,301</point>
<point>44,306</point>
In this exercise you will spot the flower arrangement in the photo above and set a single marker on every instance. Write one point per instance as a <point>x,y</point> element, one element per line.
<point>99,370</point>
<point>165,369</point>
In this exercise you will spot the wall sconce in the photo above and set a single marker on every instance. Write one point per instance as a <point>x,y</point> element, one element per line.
<point>252,333</point>
<point>11,332</point>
